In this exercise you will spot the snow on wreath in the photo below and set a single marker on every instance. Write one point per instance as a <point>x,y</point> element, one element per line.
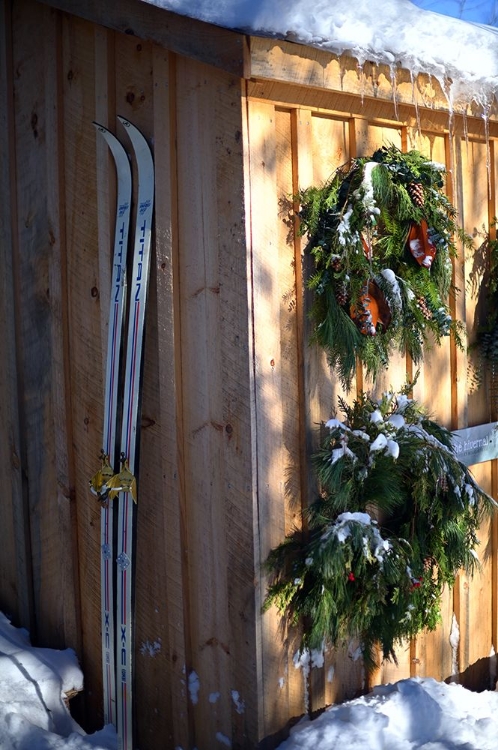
<point>382,235</point>
<point>398,516</point>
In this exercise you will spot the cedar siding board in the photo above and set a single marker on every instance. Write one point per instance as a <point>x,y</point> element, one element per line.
<point>233,394</point>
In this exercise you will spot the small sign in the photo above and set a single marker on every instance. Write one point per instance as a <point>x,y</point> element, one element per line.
<point>473,445</point>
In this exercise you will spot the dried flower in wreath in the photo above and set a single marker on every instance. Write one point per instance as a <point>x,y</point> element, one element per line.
<point>382,236</point>
<point>398,517</point>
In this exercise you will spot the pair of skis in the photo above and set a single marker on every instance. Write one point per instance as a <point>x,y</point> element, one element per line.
<point>109,484</point>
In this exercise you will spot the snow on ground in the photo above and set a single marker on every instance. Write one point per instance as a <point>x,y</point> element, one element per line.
<point>33,682</point>
<point>462,55</point>
<point>414,714</point>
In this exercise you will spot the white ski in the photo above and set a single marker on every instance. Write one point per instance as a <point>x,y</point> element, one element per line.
<point>98,483</point>
<point>125,480</point>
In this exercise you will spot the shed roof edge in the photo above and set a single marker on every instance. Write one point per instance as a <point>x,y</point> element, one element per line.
<point>266,58</point>
<point>205,42</point>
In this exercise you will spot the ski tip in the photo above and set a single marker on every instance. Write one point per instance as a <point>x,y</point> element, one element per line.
<point>131,127</point>
<point>140,144</point>
<point>125,122</point>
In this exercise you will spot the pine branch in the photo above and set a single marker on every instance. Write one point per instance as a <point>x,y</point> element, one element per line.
<point>398,516</point>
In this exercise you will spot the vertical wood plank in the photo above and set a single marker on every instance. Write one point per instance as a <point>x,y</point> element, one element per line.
<point>454,188</point>
<point>476,631</point>
<point>133,95</point>
<point>366,137</point>
<point>259,654</point>
<point>105,114</point>
<point>492,215</point>
<point>216,440</point>
<point>42,325</point>
<point>279,675</point>
<point>341,677</point>
<point>307,357</point>
<point>290,349</point>
<point>64,492</point>
<point>15,574</point>
<point>162,592</point>
<point>434,392</point>
<point>85,314</point>
<point>474,190</point>
<point>431,652</point>
<point>458,304</point>
<point>207,672</point>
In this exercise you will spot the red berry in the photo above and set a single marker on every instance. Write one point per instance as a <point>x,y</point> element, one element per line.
<point>351,577</point>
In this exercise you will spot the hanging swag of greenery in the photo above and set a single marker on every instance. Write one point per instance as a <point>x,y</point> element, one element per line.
<point>381,234</point>
<point>486,344</point>
<point>398,517</point>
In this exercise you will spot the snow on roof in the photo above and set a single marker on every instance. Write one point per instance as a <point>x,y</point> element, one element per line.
<point>463,56</point>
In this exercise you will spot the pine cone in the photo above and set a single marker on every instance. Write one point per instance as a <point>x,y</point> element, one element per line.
<point>443,482</point>
<point>364,317</point>
<point>416,193</point>
<point>341,295</point>
<point>426,312</point>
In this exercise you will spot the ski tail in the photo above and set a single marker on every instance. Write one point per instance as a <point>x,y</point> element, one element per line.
<point>109,446</point>
<point>129,432</point>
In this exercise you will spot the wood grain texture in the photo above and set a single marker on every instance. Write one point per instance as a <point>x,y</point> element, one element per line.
<point>492,213</point>
<point>344,103</point>
<point>205,42</point>
<point>216,436</point>
<point>105,114</point>
<point>279,60</point>
<point>85,328</point>
<point>472,407</point>
<point>290,356</point>
<point>308,358</point>
<point>15,572</point>
<point>162,619</point>
<point>331,147</point>
<point>278,678</point>
<point>41,325</point>
<point>64,514</point>
<point>431,653</point>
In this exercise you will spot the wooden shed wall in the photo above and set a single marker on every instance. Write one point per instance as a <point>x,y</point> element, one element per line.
<point>195,603</point>
<point>233,395</point>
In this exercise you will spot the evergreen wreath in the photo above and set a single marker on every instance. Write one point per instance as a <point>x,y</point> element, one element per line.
<point>397,518</point>
<point>382,235</point>
<point>486,343</point>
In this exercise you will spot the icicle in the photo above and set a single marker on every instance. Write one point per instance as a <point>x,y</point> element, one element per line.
<point>394,85</point>
<point>485,117</point>
<point>447,88</point>
<point>342,72</point>
<point>465,126</point>
<point>415,103</point>
<point>361,75</point>
<point>430,84</point>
